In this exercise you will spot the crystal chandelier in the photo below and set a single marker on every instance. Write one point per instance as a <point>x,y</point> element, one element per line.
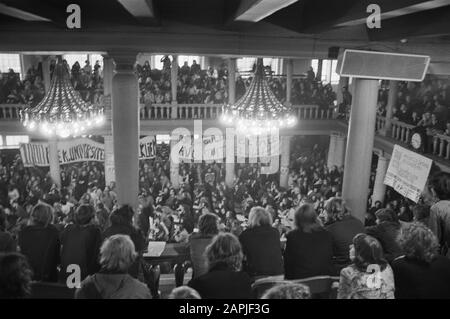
<point>62,112</point>
<point>258,110</point>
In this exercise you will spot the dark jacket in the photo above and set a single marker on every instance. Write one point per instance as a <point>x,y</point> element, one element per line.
<point>223,283</point>
<point>41,246</point>
<point>342,233</point>
<point>262,249</point>
<point>197,247</point>
<point>386,233</point>
<point>136,237</point>
<point>308,254</point>
<point>7,243</point>
<point>112,286</point>
<point>81,246</point>
<point>416,279</point>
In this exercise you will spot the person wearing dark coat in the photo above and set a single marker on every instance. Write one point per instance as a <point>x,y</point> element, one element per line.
<point>224,279</point>
<point>40,243</point>
<point>122,223</point>
<point>421,273</point>
<point>81,243</point>
<point>7,242</point>
<point>207,229</point>
<point>261,245</point>
<point>309,247</point>
<point>386,231</point>
<point>343,227</point>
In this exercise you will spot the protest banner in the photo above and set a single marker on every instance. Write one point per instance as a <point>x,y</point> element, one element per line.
<point>407,172</point>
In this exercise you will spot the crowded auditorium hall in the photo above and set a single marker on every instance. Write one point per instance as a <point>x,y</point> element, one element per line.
<point>224,149</point>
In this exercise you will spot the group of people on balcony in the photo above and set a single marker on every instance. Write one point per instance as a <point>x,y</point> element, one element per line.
<point>425,104</point>
<point>87,80</point>
<point>210,86</point>
<point>230,227</point>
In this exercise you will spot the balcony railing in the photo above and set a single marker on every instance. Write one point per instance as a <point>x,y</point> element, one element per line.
<point>401,131</point>
<point>181,111</point>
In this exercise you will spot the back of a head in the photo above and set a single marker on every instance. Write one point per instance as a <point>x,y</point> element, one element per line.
<point>440,183</point>
<point>288,291</point>
<point>41,215</point>
<point>306,218</point>
<point>15,276</point>
<point>421,212</point>
<point>117,253</point>
<point>207,224</point>
<point>418,242</point>
<point>259,217</point>
<point>84,214</point>
<point>224,249</point>
<point>336,209</point>
<point>386,215</point>
<point>368,251</point>
<point>122,216</point>
<point>184,292</point>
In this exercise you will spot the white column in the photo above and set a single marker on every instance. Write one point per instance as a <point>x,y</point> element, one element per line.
<point>229,174</point>
<point>110,175</point>
<point>289,72</point>
<point>173,84</point>
<point>379,189</point>
<point>125,127</point>
<point>336,151</point>
<point>340,150</point>
<point>285,148</point>
<point>174,170</point>
<point>392,100</point>
<point>53,158</point>
<point>231,80</point>
<point>358,156</point>
<point>332,151</point>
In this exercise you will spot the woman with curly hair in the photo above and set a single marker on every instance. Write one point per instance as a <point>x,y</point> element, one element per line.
<point>224,279</point>
<point>343,227</point>
<point>15,276</point>
<point>421,273</point>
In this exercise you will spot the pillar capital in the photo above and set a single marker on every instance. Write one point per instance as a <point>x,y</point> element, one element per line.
<point>124,60</point>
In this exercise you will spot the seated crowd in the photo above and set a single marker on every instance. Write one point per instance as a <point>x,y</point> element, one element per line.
<point>425,104</point>
<point>87,80</point>
<point>236,236</point>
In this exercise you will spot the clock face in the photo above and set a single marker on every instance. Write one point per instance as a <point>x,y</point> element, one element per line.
<point>416,140</point>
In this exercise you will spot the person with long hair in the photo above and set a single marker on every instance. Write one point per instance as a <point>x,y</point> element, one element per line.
<point>421,273</point>
<point>15,276</point>
<point>122,223</point>
<point>261,245</point>
<point>224,279</point>
<point>80,243</point>
<point>369,276</point>
<point>343,227</point>
<point>309,247</point>
<point>39,242</point>
<point>208,228</point>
